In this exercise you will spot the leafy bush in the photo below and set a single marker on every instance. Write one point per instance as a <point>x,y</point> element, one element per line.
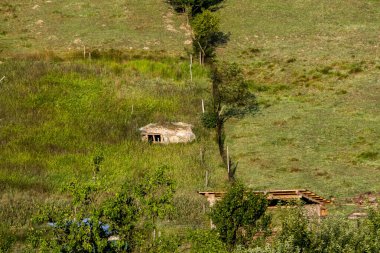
<point>205,241</point>
<point>338,235</point>
<point>240,215</point>
<point>294,230</point>
<point>123,222</point>
<point>166,244</point>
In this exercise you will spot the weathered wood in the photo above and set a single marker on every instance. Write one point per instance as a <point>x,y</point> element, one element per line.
<point>310,198</point>
<point>191,68</point>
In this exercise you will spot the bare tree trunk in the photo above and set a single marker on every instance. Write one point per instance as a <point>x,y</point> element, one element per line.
<point>220,139</point>
<point>230,166</point>
<point>187,12</point>
<point>202,53</point>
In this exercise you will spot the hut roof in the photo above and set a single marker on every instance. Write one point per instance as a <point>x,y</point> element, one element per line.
<point>175,126</point>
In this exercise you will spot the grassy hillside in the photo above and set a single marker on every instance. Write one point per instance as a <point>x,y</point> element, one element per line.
<point>59,114</point>
<point>315,67</point>
<point>66,26</point>
<point>311,32</point>
<point>56,116</point>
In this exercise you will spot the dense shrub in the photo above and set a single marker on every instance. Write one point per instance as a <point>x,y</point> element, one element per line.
<point>338,235</point>
<point>239,216</point>
<point>206,241</point>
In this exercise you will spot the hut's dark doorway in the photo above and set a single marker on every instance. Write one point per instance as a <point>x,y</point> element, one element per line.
<point>154,138</point>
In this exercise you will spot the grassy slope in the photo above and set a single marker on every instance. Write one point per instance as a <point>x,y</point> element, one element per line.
<point>57,116</point>
<point>315,66</point>
<point>69,25</point>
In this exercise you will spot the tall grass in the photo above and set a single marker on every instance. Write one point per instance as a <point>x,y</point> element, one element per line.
<point>57,115</point>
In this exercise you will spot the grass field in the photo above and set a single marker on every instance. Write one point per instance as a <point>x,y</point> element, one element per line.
<point>67,26</point>
<point>315,67</point>
<point>56,116</point>
<point>311,32</point>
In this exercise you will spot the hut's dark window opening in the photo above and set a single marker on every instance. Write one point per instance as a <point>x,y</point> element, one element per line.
<point>154,138</point>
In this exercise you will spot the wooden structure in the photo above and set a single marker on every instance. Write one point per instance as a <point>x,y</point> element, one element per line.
<point>174,132</point>
<point>314,204</point>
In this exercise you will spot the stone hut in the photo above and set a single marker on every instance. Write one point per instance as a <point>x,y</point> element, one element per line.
<point>174,132</point>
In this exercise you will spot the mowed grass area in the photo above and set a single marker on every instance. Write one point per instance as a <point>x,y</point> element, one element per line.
<point>315,67</point>
<point>314,32</point>
<point>35,26</point>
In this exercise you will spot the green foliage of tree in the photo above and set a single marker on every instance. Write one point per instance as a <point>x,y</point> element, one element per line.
<point>155,193</point>
<point>295,231</point>
<point>207,35</point>
<point>205,25</point>
<point>195,7</point>
<point>209,119</point>
<point>239,216</point>
<point>339,235</point>
<point>167,243</point>
<point>206,241</point>
<point>86,223</point>
<point>90,219</point>
<point>121,213</point>
<point>372,235</point>
<point>342,235</point>
<point>231,94</point>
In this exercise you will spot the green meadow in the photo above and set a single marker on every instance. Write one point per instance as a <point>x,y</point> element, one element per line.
<point>65,26</point>
<point>314,66</point>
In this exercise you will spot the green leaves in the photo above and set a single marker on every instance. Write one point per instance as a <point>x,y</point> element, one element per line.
<point>231,99</point>
<point>87,223</point>
<point>195,6</point>
<point>206,34</point>
<point>205,241</point>
<point>333,234</point>
<point>237,216</point>
<point>209,119</point>
<point>155,193</point>
<point>205,25</point>
<point>231,93</point>
<point>294,230</point>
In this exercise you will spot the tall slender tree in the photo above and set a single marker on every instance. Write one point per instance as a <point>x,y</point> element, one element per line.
<point>231,98</point>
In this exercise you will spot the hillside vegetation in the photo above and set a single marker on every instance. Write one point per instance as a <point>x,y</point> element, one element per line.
<point>314,66</point>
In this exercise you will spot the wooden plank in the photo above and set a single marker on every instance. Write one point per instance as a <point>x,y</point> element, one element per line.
<point>282,195</point>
